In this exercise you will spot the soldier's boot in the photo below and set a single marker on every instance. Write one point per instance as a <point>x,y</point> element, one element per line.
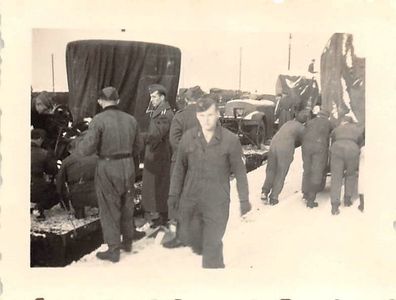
<point>173,243</point>
<point>137,235</point>
<point>112,254</point>
<point>311,196</point>
<point>126,245</point>
<point>335,209</point>
<point>312,203</point>
<point>264,197</point>
<point>273,201</point>
<point>347,201</point>
<point>361,204</point>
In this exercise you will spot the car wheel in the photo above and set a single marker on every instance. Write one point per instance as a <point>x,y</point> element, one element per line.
<point>258,134</point>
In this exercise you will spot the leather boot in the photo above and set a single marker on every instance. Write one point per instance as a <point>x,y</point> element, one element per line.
<point>173,243</point>
<point>126,245</point>
<point>312,204</point>
<point>361,205</point>
<point>112,254</point>
<point>347,201</point>
<point>335,209</point>
<point>264,197</point>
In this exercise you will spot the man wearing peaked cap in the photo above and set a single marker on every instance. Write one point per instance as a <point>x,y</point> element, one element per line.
<point>184,120</point>
<point>109,93</point>
<point>114,136</point>
<point>157,158</point>
<point>157,87</point>
<point>315,148</point>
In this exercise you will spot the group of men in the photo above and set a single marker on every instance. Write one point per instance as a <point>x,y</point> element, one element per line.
<point>188,160</point>
<point>314,136</point>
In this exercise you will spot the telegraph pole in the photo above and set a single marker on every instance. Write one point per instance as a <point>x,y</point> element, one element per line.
<point>288,64</point>
<point>53,78</point>
<point>240,67</point>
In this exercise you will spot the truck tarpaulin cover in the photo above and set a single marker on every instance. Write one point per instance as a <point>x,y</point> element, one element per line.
<point>343,79</point>
<point>128,66</point>
<point>303,90</point>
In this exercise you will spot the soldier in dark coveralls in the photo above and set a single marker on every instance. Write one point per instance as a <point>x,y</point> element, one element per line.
<point>184,119</point>
<point>114,136</point>
<point>157,158</point>
<point>281,155</point>
<point>344,162</point>
<point>285,109</point>
<point>75,180</point>
<point>42,191</point>
<point>207,155</point>
<point>315,148</point>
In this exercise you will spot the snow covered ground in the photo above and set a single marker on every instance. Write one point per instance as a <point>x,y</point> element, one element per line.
<point>282,251</point>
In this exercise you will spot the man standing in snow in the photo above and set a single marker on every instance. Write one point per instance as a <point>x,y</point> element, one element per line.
<point>315,148</point>
<point>281,155</point>
<point>184,119</point>
<point>114,136</point>
<point>157,157</point>
<point>207,155</point>
<point>345,149</point>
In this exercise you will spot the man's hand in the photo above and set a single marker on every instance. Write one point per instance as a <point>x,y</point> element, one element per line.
<point>245,207</point>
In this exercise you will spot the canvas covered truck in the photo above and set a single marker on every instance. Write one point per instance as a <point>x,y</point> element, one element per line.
<point>92,65</point>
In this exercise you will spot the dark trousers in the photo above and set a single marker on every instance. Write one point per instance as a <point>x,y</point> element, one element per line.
<point>44,195</point>
<point>278,163</point>
<point>115,200</point>
<point>172,213</point>
<point>202,227</point>
<point>314,165</point>
<point>345,162</point>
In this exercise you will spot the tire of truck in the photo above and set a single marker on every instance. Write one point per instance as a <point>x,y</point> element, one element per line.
<point>258,134</point>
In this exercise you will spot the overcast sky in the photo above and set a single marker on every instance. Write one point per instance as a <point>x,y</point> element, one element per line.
<point>209,58</point>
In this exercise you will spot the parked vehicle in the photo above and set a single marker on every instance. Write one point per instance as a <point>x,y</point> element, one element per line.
<point>252,120</point>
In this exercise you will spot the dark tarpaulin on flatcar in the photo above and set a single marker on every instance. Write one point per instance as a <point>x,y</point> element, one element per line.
<point>128,66</point>
<point>343,79</point>
<point>303,90</point>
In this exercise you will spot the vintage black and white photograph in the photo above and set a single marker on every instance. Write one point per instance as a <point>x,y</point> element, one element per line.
<point>235,154</point>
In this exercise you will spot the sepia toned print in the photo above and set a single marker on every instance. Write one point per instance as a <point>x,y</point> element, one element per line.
<point>245,164</point>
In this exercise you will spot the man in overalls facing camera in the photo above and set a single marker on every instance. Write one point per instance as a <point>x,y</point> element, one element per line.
<point>207,155</point>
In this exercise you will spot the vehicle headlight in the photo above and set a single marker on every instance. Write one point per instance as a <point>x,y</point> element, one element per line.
<point>238,112</point>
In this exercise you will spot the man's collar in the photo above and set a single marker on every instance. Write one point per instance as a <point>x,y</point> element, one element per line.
<point>217,134</point>
<point>163,106</point>
<point>111,107</point>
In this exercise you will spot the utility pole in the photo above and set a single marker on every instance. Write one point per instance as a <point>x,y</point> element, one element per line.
<point>288,64</point>
<point>53,78</point>
<point>240,67</point>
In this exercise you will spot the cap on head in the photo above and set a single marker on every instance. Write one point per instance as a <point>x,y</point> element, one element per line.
<point>45,98</point>
<point>37,133</point>
<point>204,103</point>
<point>157,88</point>
<point>109,94</point>
<point>193,94</point>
